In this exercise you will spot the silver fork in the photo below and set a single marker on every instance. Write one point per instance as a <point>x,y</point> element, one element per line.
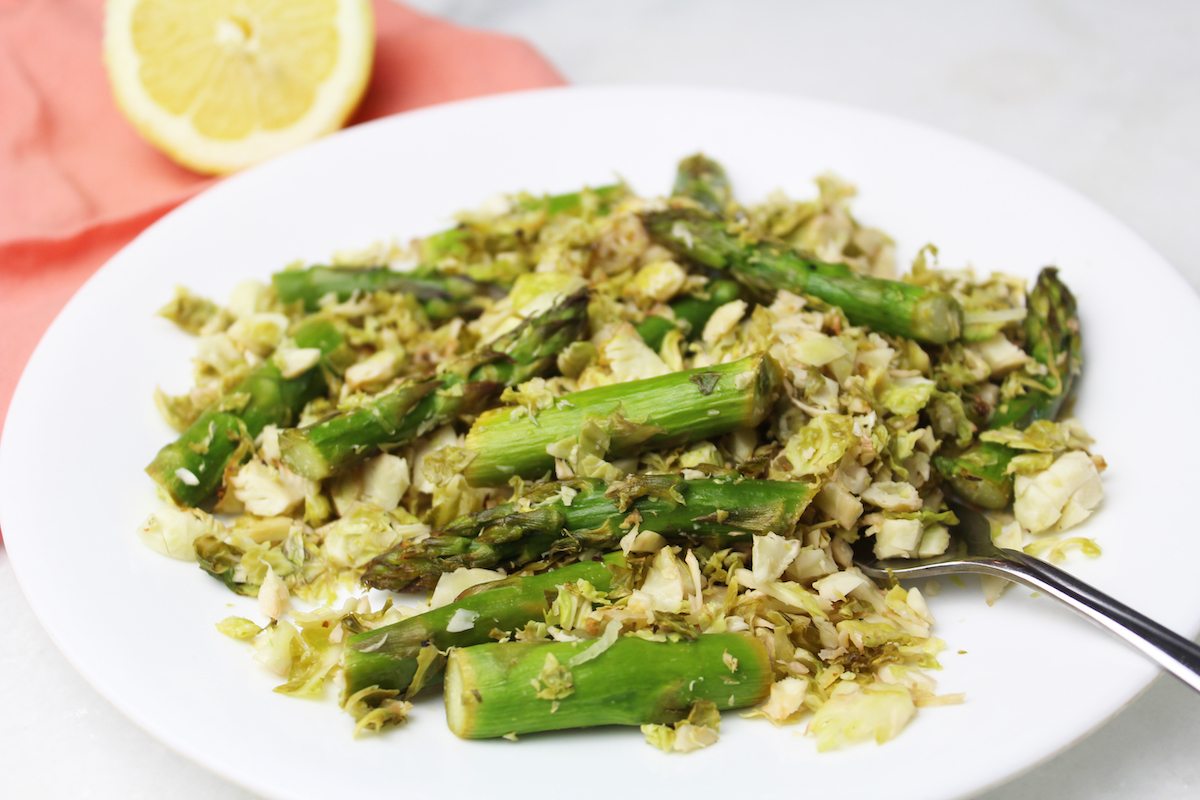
<point>972,550</point>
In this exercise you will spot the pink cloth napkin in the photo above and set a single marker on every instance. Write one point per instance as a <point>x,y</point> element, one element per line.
<point>77,182</point>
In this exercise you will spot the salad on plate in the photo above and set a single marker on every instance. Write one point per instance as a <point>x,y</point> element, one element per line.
<point>624,448</point>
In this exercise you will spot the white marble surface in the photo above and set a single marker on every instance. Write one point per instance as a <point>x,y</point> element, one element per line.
<point>1103,96</point>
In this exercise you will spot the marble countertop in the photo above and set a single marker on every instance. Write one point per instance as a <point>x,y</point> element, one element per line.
<point>1105,97</point>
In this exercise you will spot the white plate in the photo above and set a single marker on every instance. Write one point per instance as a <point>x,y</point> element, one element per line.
<point>140,627</point>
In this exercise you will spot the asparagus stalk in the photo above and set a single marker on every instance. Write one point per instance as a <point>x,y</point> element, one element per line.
<point>571,202</point>
<point>1052,337</point>
<point>191,469</point>
<point>890,307</point>
<point>493,239</point>
<point>524,687</point>
<point>979,474</point>
<point>388,657</point>
<point>575,515</point>
<point>703,181</point>
<point>656,412</point>
<point>691,313</point>
<point>419,405</point>
<point>442,296</point>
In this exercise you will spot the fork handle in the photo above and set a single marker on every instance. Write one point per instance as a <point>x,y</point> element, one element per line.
<point>1171,651</point>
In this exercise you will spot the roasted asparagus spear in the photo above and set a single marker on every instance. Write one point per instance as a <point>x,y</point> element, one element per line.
<point>388,657</point>
<point>417,406</point>
<point>703,181</point>
<point>572,516</point>
<point>655,412</point>
<point>523,687</point>
<point>191,469</point>
<point>1052,339</point>
<point>442,296</point>
<point>891,307</point>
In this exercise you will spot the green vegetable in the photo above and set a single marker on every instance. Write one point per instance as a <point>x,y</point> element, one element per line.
<point>192,468</point>
<point>417,406</point>
<point>524,687</point>
<point>982,473</point>
<point>691,313</point>
<point>389,657</point>
<point>442,296</point>
<point>1052,339</point>
<point>571,202</point>
<point>703,181</point>
<point>572,516</point>
<point>890,307</point>
<point>622,419</point>
<point>476,238</point>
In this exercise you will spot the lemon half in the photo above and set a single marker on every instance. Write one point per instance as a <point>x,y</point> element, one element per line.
<point>219,85</point>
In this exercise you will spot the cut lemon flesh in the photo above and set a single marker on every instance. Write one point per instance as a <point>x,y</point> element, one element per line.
<point>219,85</point>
